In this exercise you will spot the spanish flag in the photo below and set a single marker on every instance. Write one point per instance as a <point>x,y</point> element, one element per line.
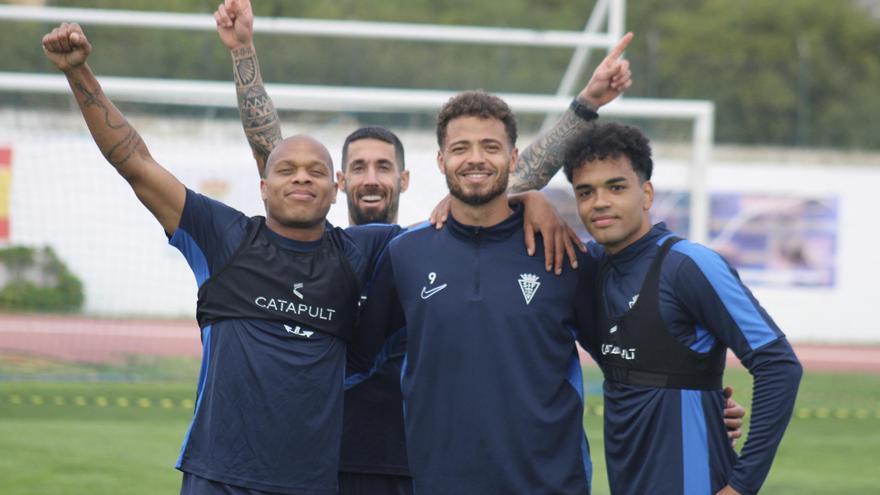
<point>5,191</point>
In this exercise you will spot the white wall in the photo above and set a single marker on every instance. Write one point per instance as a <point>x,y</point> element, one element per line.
<point>65,194</point>
<point>844,312</point>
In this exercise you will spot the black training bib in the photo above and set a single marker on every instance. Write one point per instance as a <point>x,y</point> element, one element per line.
<point>638,349</point>
<point>314,291</point>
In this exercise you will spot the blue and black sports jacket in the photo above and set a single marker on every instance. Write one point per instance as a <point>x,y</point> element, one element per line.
<point>492,383</point>
<point>673,441</point>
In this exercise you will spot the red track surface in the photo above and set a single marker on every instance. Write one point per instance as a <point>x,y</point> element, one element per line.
<point>98,340</point>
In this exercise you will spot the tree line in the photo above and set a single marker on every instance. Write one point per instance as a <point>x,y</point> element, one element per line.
<point>794,73</point>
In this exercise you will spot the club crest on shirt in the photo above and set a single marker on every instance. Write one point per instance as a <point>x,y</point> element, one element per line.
<point>528,284</point>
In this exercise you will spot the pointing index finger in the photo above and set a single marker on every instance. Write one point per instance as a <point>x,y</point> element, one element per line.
<point>618,50</point>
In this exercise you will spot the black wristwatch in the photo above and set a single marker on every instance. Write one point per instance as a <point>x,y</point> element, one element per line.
<point>583,111</point>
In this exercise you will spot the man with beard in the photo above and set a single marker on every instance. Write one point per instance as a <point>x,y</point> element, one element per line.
<point>277,300</point>
<point>491,382</point>
<point>373,457</point>
<point>373,175</point>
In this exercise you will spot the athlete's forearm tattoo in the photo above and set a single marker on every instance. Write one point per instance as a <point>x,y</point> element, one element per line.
<point>543,158</point>
<point>258,115</point>
<point>118,141</point>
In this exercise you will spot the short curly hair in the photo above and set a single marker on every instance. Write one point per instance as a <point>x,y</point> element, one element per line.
<point>611,140</point>
<point>476,104</point>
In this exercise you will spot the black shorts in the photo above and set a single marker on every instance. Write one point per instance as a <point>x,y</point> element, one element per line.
<point>374,484</point>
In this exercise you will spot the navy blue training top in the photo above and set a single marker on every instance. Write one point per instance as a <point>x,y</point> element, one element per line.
<point>373,439</point>
<point>268,413</point>
<point>492,383</point>
<point>674,441</point>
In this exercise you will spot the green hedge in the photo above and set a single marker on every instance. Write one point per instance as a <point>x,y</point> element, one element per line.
<point>57,290</point>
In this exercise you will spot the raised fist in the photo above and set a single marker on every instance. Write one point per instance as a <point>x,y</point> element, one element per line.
<point>235,23</point>
<point>67,47</point>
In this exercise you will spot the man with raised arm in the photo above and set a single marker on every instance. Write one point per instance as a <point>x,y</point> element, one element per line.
<point>373,454</point>
<point>277,300</point>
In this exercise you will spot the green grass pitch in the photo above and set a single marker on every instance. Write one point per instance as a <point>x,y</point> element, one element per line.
<point>109,438</point>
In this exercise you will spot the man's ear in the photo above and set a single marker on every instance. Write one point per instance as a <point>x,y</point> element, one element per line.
<point>648,190</point>
<point>404,180</point>
<point>340,180</point>
<point>333,193</point>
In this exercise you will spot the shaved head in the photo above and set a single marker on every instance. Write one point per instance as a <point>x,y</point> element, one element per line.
<point>300,144</point>
<point>298,186</point>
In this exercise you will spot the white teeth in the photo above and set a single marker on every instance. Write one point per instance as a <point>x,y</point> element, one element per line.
<point>371,198</point>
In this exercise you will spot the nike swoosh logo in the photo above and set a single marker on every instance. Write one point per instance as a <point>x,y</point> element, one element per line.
<point>428,293</point>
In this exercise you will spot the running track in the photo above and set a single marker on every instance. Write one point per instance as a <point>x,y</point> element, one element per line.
<point>100,340</point>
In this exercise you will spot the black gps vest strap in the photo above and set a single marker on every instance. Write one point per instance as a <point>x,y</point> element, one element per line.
<point>638,349</point>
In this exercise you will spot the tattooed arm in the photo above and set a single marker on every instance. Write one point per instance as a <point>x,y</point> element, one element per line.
<point>235,25</point>
<point>258,116</point>
<point>542,159</point>
<point>67,47</point>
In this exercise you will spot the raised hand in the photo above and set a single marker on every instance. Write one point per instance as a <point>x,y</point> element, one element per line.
<point>611,78</point>
<point>235,23</point>
<point>67,47</point>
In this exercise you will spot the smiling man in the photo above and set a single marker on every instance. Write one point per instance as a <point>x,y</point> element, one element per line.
<point>474,163</point>
<point>373,175</point>
<point>372,458</point>
<point>492,383</point>
<point>268,415</point>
